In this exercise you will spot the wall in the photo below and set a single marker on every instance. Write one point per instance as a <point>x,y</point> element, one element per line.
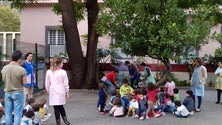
<point>33,22</point>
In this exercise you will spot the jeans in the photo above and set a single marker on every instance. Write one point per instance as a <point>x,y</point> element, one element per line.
<point>125,102</point>
<point>199,98</point>
<point>143,111</point>
<point>14,102</point>
<point>109,84</point>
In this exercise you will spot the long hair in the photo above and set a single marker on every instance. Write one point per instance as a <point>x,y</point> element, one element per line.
<point>55,62</point>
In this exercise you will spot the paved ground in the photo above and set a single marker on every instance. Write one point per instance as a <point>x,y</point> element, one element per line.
<point>81,110</point>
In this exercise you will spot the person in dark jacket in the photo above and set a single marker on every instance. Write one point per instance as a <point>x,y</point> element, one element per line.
<point>134,74</point>
<point>102,98</point>
<point>188,101</point>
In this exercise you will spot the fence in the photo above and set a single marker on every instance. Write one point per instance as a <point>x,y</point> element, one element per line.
<point>38,59</point>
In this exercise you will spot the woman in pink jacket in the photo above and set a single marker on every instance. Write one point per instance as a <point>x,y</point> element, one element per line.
<point>56,84</point>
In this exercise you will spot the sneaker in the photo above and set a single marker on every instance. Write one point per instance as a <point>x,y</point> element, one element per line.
<point>147,117</point>
<point>133,116</point>
<point>163,113</point>
<point>156,115</point>
<point>136,116</point>
<point>141,118</point>
<point>102,113</point>
<point>191,113</point>
<point>127,115</point>
<point>197,110</point>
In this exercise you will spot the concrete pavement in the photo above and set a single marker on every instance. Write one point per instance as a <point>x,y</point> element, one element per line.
<point>81,110</point>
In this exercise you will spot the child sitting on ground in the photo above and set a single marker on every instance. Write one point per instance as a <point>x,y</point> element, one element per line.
<point>168,103</point>
<point>125,91</point>
<point>117,110</point>
<point>102,98</point>
<point>176,94</point>
<point>28,107</point>
<point>188,101</point>
<point>161,95</point>
<point>181,110</point>
<point>37,120</point>
<point>133,106</point>
<point>109,105</point>
<point>27,118</point>
<point>44,101</point>
<point>142,107</point>
<point>42,110</point>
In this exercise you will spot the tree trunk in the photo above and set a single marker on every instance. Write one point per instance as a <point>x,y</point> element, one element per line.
<point>73,44</point>
<point>167,72</point>
<point>91,70</point>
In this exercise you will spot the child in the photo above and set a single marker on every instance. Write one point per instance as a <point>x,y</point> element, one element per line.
<point>102,98</point>
<point>168,103</point>
<point>133,106</point>
<point>169,86</point>
<point>27,118</point>
<point>44,101</point>
<point>161,95</point>
<point>152,93</point>
<point>42,110</point>
<point>181,110</point>
<point>2,112</point>
<point>188,101</point>
<point>28,107</point>
<point>109,105</point>
<point>159,107</point>
<point>117,110</point>
<point>142,107</point>
<point>37,120</point>
<point>176,94</point>
<point>125,92</point>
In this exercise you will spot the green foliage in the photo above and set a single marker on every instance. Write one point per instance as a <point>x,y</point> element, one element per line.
<point>9,20</point>
<point>157,28</point>
<point>79,9</point>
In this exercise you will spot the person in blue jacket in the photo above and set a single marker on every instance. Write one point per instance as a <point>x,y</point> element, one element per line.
<point>30,75</point>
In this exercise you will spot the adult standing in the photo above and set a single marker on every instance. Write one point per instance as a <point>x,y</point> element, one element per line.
<point>218,85</point>
<point>30,75</point>
<point>14,76</point>
<point>148,75</point>
<point>110,80</point>
<point>134,74</point>
<point>198,80</point>
<point>57,86</point>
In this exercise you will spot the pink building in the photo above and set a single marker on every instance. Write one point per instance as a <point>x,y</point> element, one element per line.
<point>40,25</point>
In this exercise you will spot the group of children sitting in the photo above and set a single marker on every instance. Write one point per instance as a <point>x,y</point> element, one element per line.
<point>144,103</point>
<point>35,113</point>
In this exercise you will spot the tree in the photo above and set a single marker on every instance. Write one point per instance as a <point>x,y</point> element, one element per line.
<point>159,29</point>
<point>9,20</point>
<point>83,69</point>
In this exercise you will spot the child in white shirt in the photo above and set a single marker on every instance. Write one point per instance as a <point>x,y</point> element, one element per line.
<point>181,110</point>
<point>133,107</point>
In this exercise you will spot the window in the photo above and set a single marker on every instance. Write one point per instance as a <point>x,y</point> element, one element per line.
<point>56,37</point>
<point>55,41</point>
